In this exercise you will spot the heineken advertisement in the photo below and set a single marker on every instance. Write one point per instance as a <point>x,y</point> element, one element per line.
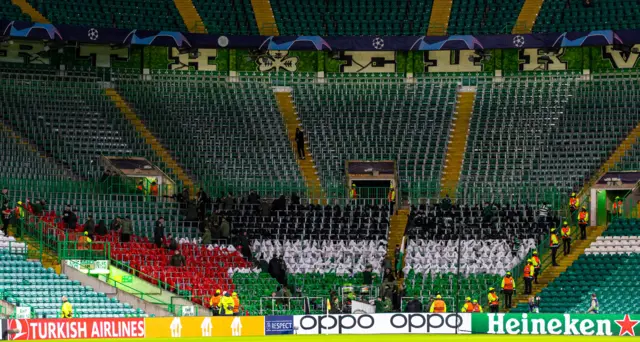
<point>556,324</point>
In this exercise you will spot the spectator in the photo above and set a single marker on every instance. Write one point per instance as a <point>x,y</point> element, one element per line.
<point>295,199</point>
<point>253,198</point>
<point>396,254</point>
<point>127,229</point>
<point>367,275</point>
<point>65,215</point>
<point>6,218</point>
<point>246,247</point>
<point>206,237</point>
<point>202,200</point>
<point>414,305</point>
<point>279,204</point>
<point>101,228</point>
<point>73,219</point>
<point>158,232</point>
<point>37,208</point>
<point>488,212</point>
<point>388,280</point>
<point>116,224</point>
<point>229,201</point>
<point>154,190</point>
<point>90,226</point>
<point>445,204</point>
<point>4,196</point>
<point>300,143</point>
<point>177,259</point>
<point>275,269</point>
<point>225,229</point>
<point>171,243</point>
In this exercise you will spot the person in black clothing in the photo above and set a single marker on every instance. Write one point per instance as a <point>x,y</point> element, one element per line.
<point>202,200</point>
<point>89,226</point>
<point>65,215</point>
<point>414,305</point>
<point>274,267</point>
<point>279,204</point>
<point>73,220</point>
<point>158,232</point>
<point>115,224</point>
<point>300,143</point>
<point>101,228</point>
<point>367,276</point>
<point>6,218</point>
<point>295,199</point>
<point>253,198</point>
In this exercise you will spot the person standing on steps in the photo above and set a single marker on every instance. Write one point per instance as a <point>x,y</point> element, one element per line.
<point>508,287</point>
<point>494,301</point>
<point>529,272</point>
<point>300,143</point>
<point>554,244</point>
<point>536,265</point>
<point>574,203</point>
<point>583,221</point>
<point>391,196</point>
<point>565,233</point>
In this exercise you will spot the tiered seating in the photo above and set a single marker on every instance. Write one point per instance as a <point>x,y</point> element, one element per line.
<point>483,17</point>
<point>219,130</point>
<point>27,283</point>
<point>131,14</point>
<point>563,16</point>
<point>426,285</point>
<point>228,16</point>
<point>21,160</point>
<point>70,119</point>
<point>608,268</point>
<point>9,245</point>
<point>352,17</point>
<point>372,119</point>
<point>207,268</point>
<point>528,129</point>
<point>298,223</point>
<point>12,12</point>
<point>314,256</point>
<point>486,248</point>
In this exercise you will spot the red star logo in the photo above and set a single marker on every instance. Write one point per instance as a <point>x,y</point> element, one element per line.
<point>626,326</point>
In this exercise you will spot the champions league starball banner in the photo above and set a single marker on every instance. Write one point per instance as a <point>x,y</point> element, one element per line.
<point>120,37</point>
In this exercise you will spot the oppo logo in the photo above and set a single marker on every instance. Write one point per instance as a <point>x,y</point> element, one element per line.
<point>382,323</point>
<point>342,322</point>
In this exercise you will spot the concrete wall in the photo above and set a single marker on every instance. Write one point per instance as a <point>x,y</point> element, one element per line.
<point>110,291</point>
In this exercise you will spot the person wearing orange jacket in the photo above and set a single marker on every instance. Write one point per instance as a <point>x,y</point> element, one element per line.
<point>565,234</point>
<point>236,304</point>
<point>494,301</point>
<point>529,272</point>
<point>554,244</point>
<point>617,207</point>
<point>438,305</point>
<point>468,306</point>
<point>508,287</point>
<point>583,221</point>
<point>214,303</point>
<point>574,202</point>
<point>476,307</point>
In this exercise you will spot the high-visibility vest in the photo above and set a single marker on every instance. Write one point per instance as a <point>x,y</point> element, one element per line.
<point>154,190</point>
<point>573,202</point>
<point>617,207</point>
<point>139,188</point>
<point>352,193</point>
<point>439,306</point>
<point>529,270</point>
<point>553,240</point>
<point>583,217</point>
<point>392,196</point>
<point>566,232</point>
<point>215,300</point>
<point>507,283</point>
<point>236,304</point>
<point>19,212</point>
<point>493,299</point>
<point>477,308</point>
<point>536,261</point>
<point>468,307</point>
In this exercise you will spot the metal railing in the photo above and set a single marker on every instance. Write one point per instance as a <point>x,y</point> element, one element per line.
<point>289,305</point>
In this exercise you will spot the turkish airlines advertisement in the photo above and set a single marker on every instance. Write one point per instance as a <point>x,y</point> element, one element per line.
<point>74,328</point>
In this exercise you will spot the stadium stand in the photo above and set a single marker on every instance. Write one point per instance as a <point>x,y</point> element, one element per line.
<point>228,16</point>
<point>501,157</point>
<point>207,268</point>
<point>10,11</point>
<point>135,14</point>
<point>483,17</point>
<point>247,127</point>
<point>388,120</point>
<point>27,283</point>
<point>606,268</point>
<point>562,16</point>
